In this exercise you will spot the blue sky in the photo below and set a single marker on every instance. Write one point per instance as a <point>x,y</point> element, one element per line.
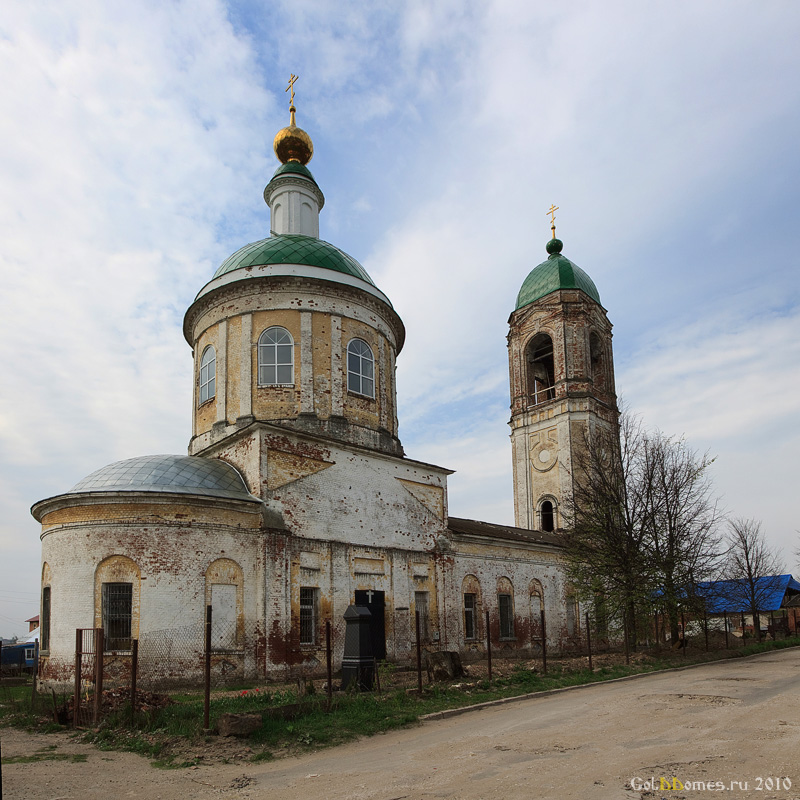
<point>136,142</point>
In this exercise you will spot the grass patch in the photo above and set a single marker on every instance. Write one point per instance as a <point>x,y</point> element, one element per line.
<point>172,736</point>
<point>46,755</point>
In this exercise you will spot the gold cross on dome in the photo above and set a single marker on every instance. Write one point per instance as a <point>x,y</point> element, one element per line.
<point>292,80</point>
<point>552,212</point>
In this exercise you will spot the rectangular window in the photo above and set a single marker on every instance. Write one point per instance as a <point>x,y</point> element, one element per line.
<point>44,632</point>
<point>308,615</point>
<point>421,605</point>
<point>29,653</point>
<point>506,606</point>
<point>469,616</point>
<point>117,613</point>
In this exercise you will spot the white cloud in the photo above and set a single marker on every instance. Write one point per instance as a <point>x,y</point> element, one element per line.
<point>135,144</point>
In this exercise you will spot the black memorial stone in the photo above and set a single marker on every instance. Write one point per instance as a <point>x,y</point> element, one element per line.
<point>358,663</point>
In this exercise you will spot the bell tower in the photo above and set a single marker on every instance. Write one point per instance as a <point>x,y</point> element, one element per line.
<point>562,384</point>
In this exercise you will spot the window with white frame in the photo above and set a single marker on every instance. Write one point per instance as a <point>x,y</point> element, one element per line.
<point>275,357</point>
<point>360,368</point>
<point>506,606</point>
<point>208,374</point>
<point>308,615</point>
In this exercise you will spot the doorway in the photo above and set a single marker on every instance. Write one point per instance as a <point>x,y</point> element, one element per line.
<point>375,602</point>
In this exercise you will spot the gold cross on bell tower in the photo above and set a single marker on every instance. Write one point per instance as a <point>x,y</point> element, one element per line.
<point>290,88</point>
<point>552,212</point>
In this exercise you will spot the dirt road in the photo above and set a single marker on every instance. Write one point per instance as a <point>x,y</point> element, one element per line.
<point>729,725</point>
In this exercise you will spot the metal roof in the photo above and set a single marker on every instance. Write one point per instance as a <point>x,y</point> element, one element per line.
<point>472,527</point>
<point>294,248</point>
<point>167,473</point>
<point>732,596</point>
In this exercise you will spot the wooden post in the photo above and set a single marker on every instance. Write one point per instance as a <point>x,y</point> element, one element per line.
<point>488,645</point>
<point>705,625</point>
<point>99,645</point>
<point>76,704</point>
<point>725,620</point>
<point>544,641</point>
<point>589,641</point>
<point>328,661</point>
<point>419,654</point>
<point>207,674</point>
<point>134,673</point>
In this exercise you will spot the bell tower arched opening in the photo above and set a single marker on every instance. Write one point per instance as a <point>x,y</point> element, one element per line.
<point>540,369</point>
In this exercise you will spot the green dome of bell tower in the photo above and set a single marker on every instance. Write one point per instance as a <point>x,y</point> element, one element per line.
<point>557,272</point>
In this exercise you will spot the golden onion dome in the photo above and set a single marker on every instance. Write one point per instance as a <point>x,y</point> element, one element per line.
<point>293,143</point>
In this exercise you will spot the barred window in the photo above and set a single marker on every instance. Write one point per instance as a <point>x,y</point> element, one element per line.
<point>308,615</point>
<point>275,358</point>
<point>506,606</point>
<point>117,612</point>
<point>469,615</point>
<point>44,632</point>
<point>208,374</point>
<point>360,368</point>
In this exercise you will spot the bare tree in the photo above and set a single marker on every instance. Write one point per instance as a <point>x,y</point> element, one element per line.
<point>751,570</point>
<point>607,521</point>
<point>643,523</point>
<point>683,520</point>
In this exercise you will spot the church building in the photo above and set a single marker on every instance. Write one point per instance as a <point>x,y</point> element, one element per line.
<point>296,498</point>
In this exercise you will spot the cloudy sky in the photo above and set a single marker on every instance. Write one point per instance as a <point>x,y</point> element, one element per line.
<point>135,142</point>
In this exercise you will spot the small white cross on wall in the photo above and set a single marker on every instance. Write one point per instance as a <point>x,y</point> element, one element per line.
<point>369,595</point>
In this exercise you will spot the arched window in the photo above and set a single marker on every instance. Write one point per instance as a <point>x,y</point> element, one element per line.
<point>597,361</point>
<point>275,358</point>
<point>541,369</point>
<point>471,594</point>
<point>360,368</point>
<point>505,607</point>
<point>208,374</point>
<point>547,515</point>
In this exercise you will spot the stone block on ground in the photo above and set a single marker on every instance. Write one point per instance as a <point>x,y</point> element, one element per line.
<point>444,666</point>
<point>239,724</point>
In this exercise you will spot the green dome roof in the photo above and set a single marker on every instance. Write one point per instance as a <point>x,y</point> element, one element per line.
<point>294,249</point>
<point>294,167</point>
<point>558,272</point>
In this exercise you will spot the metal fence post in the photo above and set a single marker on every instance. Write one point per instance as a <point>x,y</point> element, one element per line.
<point>35,674</point>
<point>99,645</point>
<point>134,673</point>
<point>76,702</point>
<point>489,645</point>
<point>589,641</point>
<point>725,621</point>
<point>685,641</point>
<point>544,642</point>
<point>328,659</point>
<point>626,642</point>
<point>207,673</point>
<point>419,654</point>
<point>705,625</point>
